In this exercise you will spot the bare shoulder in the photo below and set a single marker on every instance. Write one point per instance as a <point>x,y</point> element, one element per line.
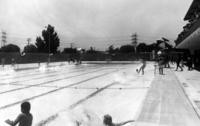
<point>22,115</point>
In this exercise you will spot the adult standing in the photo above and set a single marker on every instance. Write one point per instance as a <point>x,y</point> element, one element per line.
<point>178,61</point>
<point>189,63</point>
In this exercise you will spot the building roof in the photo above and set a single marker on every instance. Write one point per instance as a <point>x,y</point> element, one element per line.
<point>192,8</point>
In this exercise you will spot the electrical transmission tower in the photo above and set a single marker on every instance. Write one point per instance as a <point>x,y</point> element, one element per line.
<point>134,38</point>
<point>3,38</point>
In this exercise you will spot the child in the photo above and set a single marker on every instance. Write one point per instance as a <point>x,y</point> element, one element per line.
<point>25,118</point>
<point>161,64</point>
<point>108,121</point>
<point>142,67</point>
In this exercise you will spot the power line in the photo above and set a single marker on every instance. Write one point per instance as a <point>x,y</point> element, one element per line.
<point>155,37</point>
<point>111,38</point>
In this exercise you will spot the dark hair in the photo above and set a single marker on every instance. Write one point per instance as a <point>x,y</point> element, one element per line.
<point>25,106</point>
<point>107,119</point>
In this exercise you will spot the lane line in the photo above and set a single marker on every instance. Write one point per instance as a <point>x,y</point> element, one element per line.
<point>33,74</point>
<point>55,90</point>
<point>45,75</point>
<point>47,82</point>
<point>85,88</point>
<point>52,75</point>
<point>91,95</point>
<point>58,73</point>
<point>54,116</point>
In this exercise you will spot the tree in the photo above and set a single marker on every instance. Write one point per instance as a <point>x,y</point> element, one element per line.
<point>40,45</point>
<point>91,50</point>
<point>127,49</point>
<point>111,49</point>
<point>142,47</point>
<point>49,42</point>
<point>69,50</point>
<point>152,47</point>
<point>30,49</point>
<point>10,48</point>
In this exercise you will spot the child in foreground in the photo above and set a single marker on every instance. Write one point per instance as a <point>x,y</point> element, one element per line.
<point>25,118</point>
<point>107,121</point>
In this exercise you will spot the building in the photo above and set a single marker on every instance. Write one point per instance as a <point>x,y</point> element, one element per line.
<point>189,38</point>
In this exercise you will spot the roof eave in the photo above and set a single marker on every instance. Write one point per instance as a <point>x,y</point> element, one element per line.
<point>187,16</point>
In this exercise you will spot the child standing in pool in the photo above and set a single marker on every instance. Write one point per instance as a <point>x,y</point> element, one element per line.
<point>107,121</point>
<point>23,119</point>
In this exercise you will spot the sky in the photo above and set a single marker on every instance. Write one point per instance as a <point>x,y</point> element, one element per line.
<point>97,23</point>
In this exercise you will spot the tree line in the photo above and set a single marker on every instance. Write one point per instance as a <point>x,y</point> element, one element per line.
<point>49,42</point>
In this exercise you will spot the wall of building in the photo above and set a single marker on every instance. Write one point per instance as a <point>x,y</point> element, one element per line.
<point>192,42</point>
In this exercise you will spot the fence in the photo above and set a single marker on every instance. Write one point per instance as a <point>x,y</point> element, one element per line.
<point>9,58</point>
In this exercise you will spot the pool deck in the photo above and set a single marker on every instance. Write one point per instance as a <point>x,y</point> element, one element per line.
<point>171,100</point>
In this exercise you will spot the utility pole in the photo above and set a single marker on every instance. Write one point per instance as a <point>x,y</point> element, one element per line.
<point>134,38</point>
<point>49,51</point>
<point>3,38</point>
<point>28,40</point>
<point>71,45</point>
<point>3,43</point>
<point>49,60</point>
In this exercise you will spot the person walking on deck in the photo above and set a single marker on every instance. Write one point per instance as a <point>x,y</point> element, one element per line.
<point>142,67</point>
<point>178,61</point>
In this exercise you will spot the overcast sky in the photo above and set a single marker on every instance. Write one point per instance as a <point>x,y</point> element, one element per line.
<point>96,23</point>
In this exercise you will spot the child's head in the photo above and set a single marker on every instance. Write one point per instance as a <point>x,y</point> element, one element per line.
<point>107,120</point>
<point>25,107</point>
